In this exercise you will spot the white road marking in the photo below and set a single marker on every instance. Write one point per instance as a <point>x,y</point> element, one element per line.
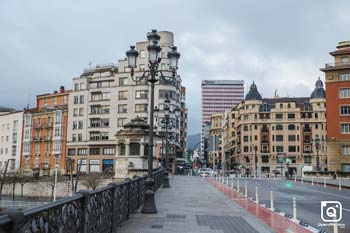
<point>330,194</point>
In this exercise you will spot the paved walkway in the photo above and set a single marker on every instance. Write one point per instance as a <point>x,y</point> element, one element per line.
<point>193,205</point>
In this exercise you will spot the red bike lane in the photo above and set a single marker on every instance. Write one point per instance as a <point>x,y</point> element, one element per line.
<point>277,222</point>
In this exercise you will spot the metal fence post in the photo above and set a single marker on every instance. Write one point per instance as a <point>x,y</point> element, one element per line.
<point>246,189</point>
<point>256,194</point>
<point>85,207</point>
<point>294,208</point>
<point>271,199</point>
<point>17,218</point>
<point>339,184</point>
<point>113,187</point>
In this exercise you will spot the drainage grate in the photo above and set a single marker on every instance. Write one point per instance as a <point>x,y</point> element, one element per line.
<point>157,226</point>
<point>176,216</point>
<point>227,224</point>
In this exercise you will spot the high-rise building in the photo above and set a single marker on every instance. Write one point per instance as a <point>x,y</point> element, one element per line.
<point>111,99</point>
<point>338,108</point>
<point>44,134</point>
<point>218,96</point>
<point>268,134</point>
<point>183,124</point>
<point>10,138</point>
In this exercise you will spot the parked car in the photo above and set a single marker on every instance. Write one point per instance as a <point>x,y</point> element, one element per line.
<point>204,172</point>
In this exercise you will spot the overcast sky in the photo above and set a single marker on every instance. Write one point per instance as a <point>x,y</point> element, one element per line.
<point>279,44</point>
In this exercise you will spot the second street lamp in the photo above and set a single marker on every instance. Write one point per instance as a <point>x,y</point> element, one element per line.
<point>152,75</point>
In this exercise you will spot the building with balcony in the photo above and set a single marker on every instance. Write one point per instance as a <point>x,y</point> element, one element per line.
<point>10,138</point>
<point>214,153</point>
<point>337,77</point>
<point>104,98</point>
<point>267,134</point>
<point>44,134</point>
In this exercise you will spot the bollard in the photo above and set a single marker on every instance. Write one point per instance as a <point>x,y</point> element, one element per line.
<point>335,226</point>
<point>232,182</point>
<point>271,199</point>
<point>295,178</point>
<point>339,184</point>
<point>227,181</point>
<point>302,179</point>
<point>312,180</point>
<point>294,208</point>
<point>238,185</point>
<point>256,194</point>
<point>324,182</point>
<point>246,189</point>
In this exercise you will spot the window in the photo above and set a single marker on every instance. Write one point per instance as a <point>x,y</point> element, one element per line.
<point>279,148</point>
<point>80,124</point>
<point>81,99</point>
<point>55,100</point>
<point>316,115</point>
<point>122,108</point>
<point>167,94</point>
<point>109,151</point>
<point>345,110</point>
<point>75,112</point>
<point>345,150</point>
<point>345,128</point>
<point>279,138</point>
<point>81,111</point>
<point>245,138</point>
<point>97,109</point>
<point>76,99</point>
<point>141,107</point>
<point>134,149</point>
<point>123,81</point>
<point>292,148</point>
<point>74,137</point>
<point>291,127</point>
<point>265,159</point>
<point>279,116</point>
<point>64,99</point>
<point>123,95</point>
<point>121,149</point>
<point>98,96</point>
<point>141,94</point>
<point>121,122</point>
<point>344,93</point>
<point>142,53</point>
<point>82,151</point>
<point>80,137</point>
<point>291,138</point>
<point>245,128</point>
<point>344,77</point>
<point>279,127</point>
<point>245,117</point>
<point>289,105</point>
<point>75,124</point>
<point>82,86</point>
<point>71,151</point>
<point>281,105</point>
<point>291,116</point>
<point>94,151</point>
<point>246,149</point>
<point>76,87</point>
<point>344,60</point>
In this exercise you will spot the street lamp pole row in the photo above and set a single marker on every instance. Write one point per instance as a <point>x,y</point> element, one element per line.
<point>152,75</point>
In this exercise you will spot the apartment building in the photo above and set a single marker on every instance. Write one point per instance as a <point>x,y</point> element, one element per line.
<point>337,75</point>
<point>104,98</point>
<point>10,138</point>
<point>183,124</point>
<point>44,134</point>
<point>215,140</point>
<point>218,96</point>
<point>284,134</point>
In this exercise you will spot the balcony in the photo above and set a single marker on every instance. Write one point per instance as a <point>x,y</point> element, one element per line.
<point>264,141</point>
<point>265,151</point>
<point>45,166</point>
<point>307,141</point>
<point>265,130</point>
<point>48,125</point>
<point>47,138</point>
<point>307,130</point>
<point>38,126</point>
<point>36,139</point>
<point>339,65</point>
<point>35,166</point>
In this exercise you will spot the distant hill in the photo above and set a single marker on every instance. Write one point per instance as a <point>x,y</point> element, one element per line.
<point>192,140</point>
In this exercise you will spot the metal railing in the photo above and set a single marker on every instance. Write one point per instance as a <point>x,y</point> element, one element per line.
<point>100,210</point>
<point>20,204</point>
<point>338,64</point>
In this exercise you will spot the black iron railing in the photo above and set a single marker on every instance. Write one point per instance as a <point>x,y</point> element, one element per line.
<point>100,210</point>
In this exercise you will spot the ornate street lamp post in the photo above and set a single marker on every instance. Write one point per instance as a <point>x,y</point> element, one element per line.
<point>317,141</point>
<point>152,75</point>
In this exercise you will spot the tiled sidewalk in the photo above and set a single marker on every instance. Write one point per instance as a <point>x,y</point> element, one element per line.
<point>193,205</point>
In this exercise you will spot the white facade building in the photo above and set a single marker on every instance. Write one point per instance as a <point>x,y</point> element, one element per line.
<point>10,139</point>
<point>104,98</point>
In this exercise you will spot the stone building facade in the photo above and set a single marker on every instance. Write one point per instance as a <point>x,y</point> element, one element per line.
<point>266,135</point>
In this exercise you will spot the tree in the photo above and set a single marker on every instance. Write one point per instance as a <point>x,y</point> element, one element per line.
<point>14,179</point>
<point>22,180</point>
<point>92,181</point>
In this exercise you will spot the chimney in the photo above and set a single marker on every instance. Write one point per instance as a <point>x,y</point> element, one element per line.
<point>61,89</point>
<point>55,92</point>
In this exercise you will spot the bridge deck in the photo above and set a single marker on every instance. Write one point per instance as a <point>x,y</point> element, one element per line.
<point>193,205</point>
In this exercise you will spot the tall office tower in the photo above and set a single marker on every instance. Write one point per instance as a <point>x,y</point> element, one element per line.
<point>218,96</point>
<point>11,136</point>
<point>44,134</point>
<point>338,108</point>
<point>112,99</point>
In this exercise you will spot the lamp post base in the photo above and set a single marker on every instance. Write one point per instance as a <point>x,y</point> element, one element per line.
<point>149,206</point>
<point>166,179</point>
